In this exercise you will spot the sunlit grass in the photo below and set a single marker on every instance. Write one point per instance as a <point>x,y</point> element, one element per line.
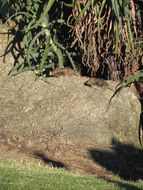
<point>29,175</point>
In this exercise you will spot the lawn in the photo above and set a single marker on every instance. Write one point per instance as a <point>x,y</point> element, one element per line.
<point>34,176</point>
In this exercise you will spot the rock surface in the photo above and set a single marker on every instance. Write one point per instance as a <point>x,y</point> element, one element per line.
<point>67,108</point>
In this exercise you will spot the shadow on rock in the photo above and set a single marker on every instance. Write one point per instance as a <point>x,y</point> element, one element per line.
<point>46,160</point>
<point>122,159</point>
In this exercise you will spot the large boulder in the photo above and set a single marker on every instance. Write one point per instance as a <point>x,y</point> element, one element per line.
<point>67,108</point>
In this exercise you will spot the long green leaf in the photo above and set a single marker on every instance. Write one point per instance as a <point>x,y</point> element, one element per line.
<point>83,11</point>
<point>44,14</point>
<point>19,13</point>
<point>128,18</point>
<point>117,38</point>
<point>125,2</point>
<point>129,80</point>
<point>68,4</point>
<point>44,57</point>
<point>116,11</point>
<point>69,56</point>
<point>100,12</point>
<point>130,35</point>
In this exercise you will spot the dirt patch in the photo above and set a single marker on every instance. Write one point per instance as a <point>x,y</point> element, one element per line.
<point>84,158</point>
<point>69,155</point>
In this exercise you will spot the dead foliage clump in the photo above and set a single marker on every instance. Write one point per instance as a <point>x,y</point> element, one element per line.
<point>109,49</point>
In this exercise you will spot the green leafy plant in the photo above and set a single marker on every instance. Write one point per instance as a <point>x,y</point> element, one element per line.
<point>40,49</point>
<point>128,80</point>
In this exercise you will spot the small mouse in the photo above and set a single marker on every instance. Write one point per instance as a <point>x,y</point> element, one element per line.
<point>97,82</point>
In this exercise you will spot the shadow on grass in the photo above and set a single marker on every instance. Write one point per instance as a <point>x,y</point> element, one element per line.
<point>126,186</point>
<point>123,160</point>
<point>46,160</point>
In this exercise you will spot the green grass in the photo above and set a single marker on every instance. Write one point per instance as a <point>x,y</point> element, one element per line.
<point>35,176</point>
